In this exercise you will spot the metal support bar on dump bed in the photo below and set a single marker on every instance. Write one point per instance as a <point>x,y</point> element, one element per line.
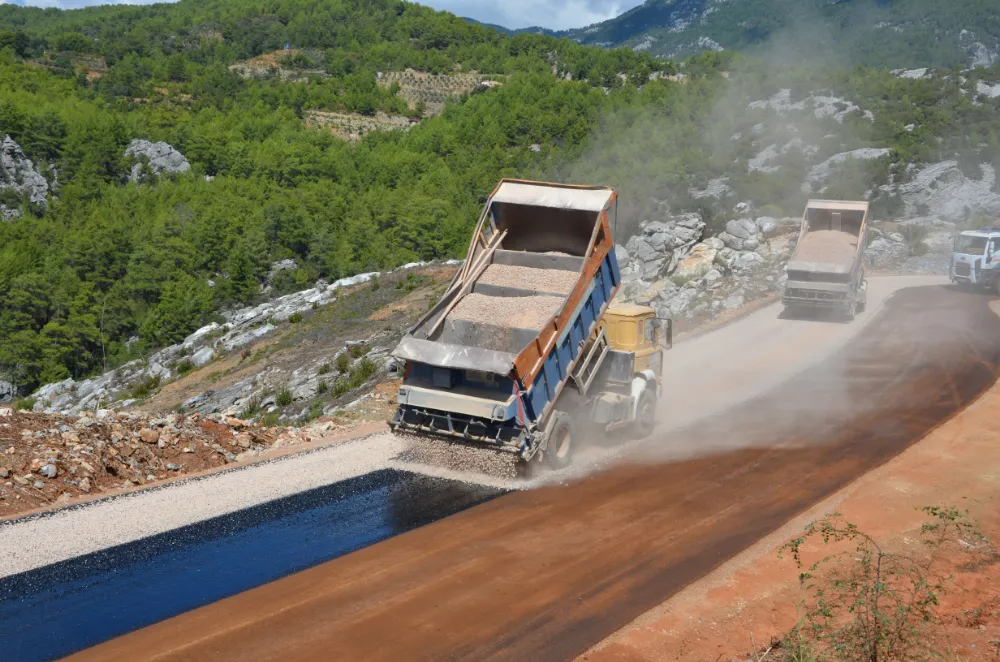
<point>587,368</point>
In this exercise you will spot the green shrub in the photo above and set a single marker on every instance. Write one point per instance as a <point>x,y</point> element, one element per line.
<point>146,387</point>
<point>341,386</point>
<point>254,406</point>
<point>284,397</point>
<point>362,372</point>
<point>25,404</point>
<point>322,387</point>
<point>315,411</point>
<point>343,362</point>
<point>324,369</point>
<point>295,318</point>
<point>359,350</point>
<point>914,236</point>
<point>184,367</point>
<point>270,420</point>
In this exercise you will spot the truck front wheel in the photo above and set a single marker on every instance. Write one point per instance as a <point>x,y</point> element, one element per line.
<point>645,415</point>
<point>559,451</point>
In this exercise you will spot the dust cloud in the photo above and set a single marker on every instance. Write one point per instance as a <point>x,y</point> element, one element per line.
<point>761,134</point>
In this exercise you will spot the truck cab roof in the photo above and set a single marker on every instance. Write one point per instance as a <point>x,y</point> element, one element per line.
<point>984,232</point>
<point>629,310</point>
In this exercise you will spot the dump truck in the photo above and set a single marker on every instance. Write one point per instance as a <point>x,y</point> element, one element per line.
<point>525,351</point>
<point>975,259</point>
<point>826,270</point>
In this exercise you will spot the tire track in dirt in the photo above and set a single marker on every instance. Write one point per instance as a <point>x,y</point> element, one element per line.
<point>545,574</point>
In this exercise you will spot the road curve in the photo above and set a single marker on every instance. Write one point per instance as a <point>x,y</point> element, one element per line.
<point>545,574</point>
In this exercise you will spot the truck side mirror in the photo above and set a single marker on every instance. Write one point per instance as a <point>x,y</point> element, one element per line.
<point>666,327</point>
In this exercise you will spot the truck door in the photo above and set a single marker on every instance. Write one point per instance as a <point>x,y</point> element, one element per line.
<point>649,349</point>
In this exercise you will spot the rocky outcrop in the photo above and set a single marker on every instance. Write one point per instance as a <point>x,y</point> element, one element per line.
<point>943,191</point>
<point>7,391</point>
<point>154,158</point>
<point>241,328</point>
<point>886,249</point>
<point>715,274</point>
<point>19,179</point>
<point>820,172</point>
<point>987,91</point>
<point>822,105</point>
<point>978,53</point>
<point>661,245</point>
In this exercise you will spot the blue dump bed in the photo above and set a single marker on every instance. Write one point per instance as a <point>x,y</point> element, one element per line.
<point>488,362</point>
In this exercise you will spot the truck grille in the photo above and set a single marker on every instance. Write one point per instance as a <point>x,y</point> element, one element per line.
<point>962,269</point>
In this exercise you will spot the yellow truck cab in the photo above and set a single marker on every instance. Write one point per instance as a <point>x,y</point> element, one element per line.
<point>633,328</point>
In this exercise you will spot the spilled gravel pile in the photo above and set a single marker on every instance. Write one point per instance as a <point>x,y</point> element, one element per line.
<point>443,459</point>
<point>47,459</point>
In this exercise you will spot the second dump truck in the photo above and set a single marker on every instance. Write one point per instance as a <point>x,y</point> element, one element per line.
<point>525,350</point>
<point>826,271</point>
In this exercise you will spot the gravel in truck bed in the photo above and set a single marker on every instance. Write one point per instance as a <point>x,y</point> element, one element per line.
<point>828,247</point>
<point>509,312</point>
<point>556,281</point>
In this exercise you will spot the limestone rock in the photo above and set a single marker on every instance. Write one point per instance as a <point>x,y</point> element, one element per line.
<point>697,263</point>
<point>19,177</point>
<point>942,190</point>
<point>742,228</point>
<point>160,158</point>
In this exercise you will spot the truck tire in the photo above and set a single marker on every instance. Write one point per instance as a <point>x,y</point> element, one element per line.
<point>996,286</point>
<point>559,449</point>
<point>645,415</point>
<point>850,311</point>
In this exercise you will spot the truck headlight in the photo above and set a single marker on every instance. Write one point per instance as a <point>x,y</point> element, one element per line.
<point>500,413</point>
<point>402,395</point>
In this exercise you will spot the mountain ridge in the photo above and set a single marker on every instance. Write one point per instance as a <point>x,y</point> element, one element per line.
<point>893,33</point>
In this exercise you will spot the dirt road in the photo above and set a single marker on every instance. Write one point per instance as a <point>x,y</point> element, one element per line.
<point>715,371</point>
<point>547,573</point>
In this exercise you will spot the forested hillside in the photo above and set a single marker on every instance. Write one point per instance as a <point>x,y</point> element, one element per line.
<point>880,33</point>
<point>109,260</point>
<point>116,260</point>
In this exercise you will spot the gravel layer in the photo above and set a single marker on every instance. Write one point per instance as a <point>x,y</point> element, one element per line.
<point>555,281</point>
<point>509,312</point>
<point>827,246</point>
<point>444,459</point>
<point>36,541</point>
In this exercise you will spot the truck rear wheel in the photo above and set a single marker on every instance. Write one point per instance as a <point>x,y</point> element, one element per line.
<point>559,450</point>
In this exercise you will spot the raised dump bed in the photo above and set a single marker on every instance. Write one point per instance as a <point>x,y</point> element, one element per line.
<point>489,359</point>
<point>826,270</point>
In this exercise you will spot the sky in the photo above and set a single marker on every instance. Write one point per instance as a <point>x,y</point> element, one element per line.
<point>552,14</point>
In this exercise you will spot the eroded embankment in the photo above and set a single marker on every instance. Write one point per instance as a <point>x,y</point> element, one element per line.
<point>545,574</point>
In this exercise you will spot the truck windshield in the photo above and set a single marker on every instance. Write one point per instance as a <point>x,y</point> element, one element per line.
<point>970,245</point>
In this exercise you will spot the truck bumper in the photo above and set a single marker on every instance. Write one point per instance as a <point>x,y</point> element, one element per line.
<point>503,436</point>
<point>809,302</point>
